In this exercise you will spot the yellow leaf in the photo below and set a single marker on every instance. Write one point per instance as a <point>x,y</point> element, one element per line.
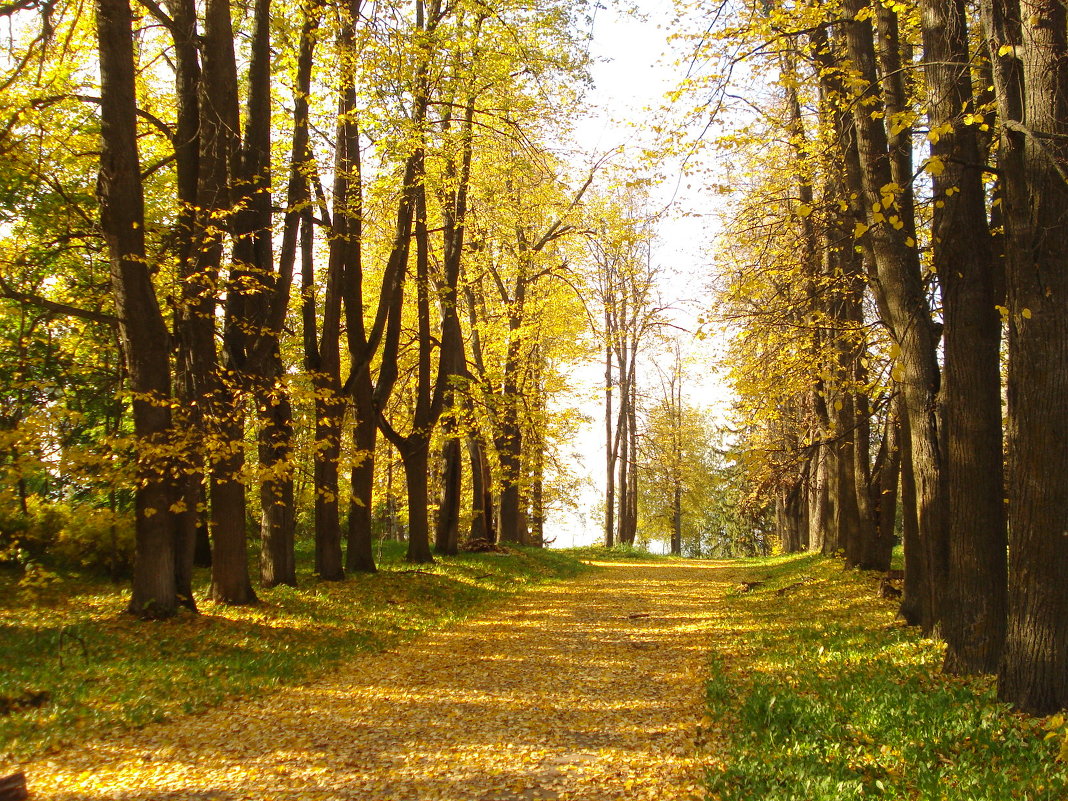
<point>1004,50</point>
<point>859,230</point>
<point>1026,314</point>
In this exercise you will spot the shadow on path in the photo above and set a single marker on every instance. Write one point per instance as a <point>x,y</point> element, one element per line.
<point>588,689</point>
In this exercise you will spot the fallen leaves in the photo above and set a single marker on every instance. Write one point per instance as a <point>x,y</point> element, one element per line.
<point>565,694</point>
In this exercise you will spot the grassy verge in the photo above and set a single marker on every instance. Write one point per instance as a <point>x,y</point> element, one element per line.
<point>101,668</point>
<point>617,553</point>
<point>818,694</point>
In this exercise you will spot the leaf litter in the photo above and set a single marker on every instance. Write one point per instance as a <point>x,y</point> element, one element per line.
<point>586,689</point>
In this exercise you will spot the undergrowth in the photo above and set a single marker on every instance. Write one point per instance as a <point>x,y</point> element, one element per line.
<point>75,665</point>
<point>818,694</point>
<point>617,553</point>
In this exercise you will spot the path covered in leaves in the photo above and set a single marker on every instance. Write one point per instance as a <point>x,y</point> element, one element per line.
<point>588,689</point>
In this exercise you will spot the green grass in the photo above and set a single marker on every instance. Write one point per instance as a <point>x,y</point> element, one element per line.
<point>617,553</point>
<point>102,668</point>
<point>817,693</point>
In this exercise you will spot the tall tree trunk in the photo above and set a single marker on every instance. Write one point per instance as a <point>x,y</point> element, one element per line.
<point>899,280</point>
<point>973,618</point>
<point>267,312</point>
<point>1034,673</point>
<point>510,438</point>
<point>622,481</point>
<point>676,518</point>
<point>142,329</point>
<point>452,361</point>
<point>321,359</point>
<point>414,447</point>
<point>219,165</point>
<point>329,415</point>
<point>230,581</point>
<point>189,414</point>
<point>632,431</point>
<point>610,445</point>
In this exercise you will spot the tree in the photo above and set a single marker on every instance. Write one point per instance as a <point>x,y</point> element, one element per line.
<point>144,334</point>
<point>673,458</point>
<point>974,611</point>
<point>1034,672</point>
<point>625,285</point>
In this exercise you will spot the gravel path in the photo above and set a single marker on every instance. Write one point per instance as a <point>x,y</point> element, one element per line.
<point>588,689</point>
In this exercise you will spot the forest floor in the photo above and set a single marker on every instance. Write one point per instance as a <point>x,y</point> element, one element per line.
<point>585,689</point>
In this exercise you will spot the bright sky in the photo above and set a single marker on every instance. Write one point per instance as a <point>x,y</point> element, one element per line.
<point>632,74</point>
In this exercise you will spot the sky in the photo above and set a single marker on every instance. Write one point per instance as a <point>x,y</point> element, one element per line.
<point>632,73</point>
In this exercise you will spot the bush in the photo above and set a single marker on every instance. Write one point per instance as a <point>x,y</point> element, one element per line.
<point>98,540</point>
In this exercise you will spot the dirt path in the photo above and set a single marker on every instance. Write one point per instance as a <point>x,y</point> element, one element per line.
<point>588,689</point>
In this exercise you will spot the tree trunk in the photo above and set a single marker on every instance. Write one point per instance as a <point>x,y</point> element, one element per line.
<point>610,448</point>
<point>189,415</point>
<point>481,493</point>
<point>884,489</point>
<point>230,581</point>
<point>446,535</point>
<point>818,505</point>
<point>359,553</point>
<point>632,431</point>
<point>913,592</point>
<point>415,458</point>
<point>900,283</point>
<point>141,326</point>
<point>510,439</point>
<point>329,416</point>
<point>973,617</point>
<point>277,502</point>
<point>1034,673</point>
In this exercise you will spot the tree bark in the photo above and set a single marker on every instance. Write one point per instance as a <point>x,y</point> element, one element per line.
<point>219,165</point>
<point>141,327</point>
<point>913,592</point>
<point>447,530</point>
<point>610,443</point>
<point>481,493</point>
<point>189,414</point>
<point>973,617</point>
<point>359,554</point>
<point>1034,673</point>
<point>899,281</point>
